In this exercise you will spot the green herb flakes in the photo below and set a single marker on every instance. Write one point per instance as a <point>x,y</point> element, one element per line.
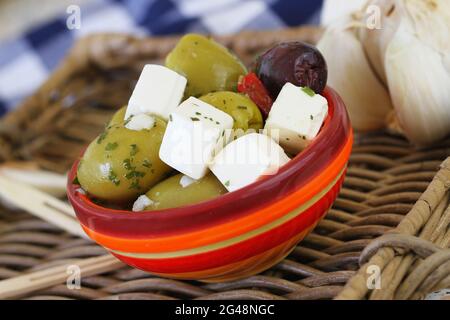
<point>134,174</point>
<point>127,164</point>
<point>146,163</point>
<point>134,150</point>
<point>135,185</point>
<point>127,121</point>
<point>310,92</point>
<point>102,137</point>
<point>75,180</point>
<point>113,178</point>
<point>195,119</point>
<point>111,146</point>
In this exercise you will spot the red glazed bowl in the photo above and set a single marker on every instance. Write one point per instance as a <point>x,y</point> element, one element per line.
<point>238,234</point>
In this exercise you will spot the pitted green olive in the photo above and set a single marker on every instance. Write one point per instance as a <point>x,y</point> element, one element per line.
<point>207,65</point>
<point>174,192</point>
<point>121,164</point>
<point>244,111</point>
<point>118,117</point>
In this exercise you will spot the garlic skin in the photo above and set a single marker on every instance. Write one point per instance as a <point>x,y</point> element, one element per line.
<point>419,84</point>
<point>429,19</point>
<point>375,41</point>
<point>413,50</point>
<point>333,10</point>
<point>410,55</point>
<point>351,75</point>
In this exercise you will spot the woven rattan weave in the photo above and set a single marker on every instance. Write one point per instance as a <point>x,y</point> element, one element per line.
<point>383,194</point>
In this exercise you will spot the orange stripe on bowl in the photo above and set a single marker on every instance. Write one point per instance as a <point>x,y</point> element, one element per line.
<point>244,268</point>
<point>233,228</point>
<point>282,221</point>
<point>294,214</point>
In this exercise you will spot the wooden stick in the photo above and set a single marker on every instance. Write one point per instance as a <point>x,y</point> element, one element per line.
<point>30,174</point>
<point>41,205</point>
<point>22,285</point>
<point>61,214</point>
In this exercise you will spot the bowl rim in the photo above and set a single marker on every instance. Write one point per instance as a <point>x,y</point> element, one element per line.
<point>337,119</point>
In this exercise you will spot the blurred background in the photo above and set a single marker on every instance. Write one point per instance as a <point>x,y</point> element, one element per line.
<point>35,35</point>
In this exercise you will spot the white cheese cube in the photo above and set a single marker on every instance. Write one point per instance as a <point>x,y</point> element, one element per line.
<point>193,132</point>
<point>158,91</point>
<point>296,117</point>
<point>186,181</point>
<point>141,203</point>
<point>246,159</point>
<point>140,122</point>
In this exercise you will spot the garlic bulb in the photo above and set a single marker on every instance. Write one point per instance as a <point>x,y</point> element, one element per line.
<point>350,74</point>
<point>419,85</point>
<point>333,10</point>
<point>375,41</point>
<point>410,54</point>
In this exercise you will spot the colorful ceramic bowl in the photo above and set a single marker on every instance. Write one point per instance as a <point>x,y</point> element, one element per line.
<point>238,234</point>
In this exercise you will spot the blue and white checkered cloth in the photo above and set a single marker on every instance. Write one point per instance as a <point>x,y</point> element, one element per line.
<point>26,62</point>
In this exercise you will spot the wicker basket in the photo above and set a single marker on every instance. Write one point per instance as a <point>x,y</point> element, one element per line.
<point>387,194</point>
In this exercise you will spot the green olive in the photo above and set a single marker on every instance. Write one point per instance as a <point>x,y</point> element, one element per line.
<point>244,111</point>
<point>207,65</point>
<point>118,117</point>
<point>170,193</point>
<point>121,164</point>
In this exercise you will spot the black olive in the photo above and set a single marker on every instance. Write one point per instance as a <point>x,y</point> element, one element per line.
<point>295,62</point>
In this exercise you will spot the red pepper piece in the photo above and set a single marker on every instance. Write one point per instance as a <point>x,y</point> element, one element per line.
<point>253,87</point>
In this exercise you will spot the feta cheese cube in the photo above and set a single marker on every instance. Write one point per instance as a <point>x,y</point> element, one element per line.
<point>158,91</point>
<point>193,132</point>
<point>246,159</point>
<point>296,117</point>
<point>186,181</point>
<point>141,203</point>
<point>140,122</point>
